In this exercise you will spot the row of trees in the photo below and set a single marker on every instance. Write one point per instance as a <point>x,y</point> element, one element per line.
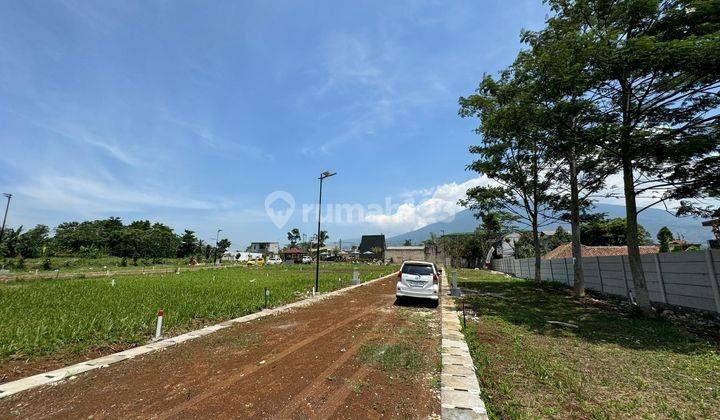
<point>626,87</point>
<point>139,239</point>
<point>295,239</point>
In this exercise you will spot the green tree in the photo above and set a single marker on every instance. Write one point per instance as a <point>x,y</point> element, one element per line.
<point>512,153</point>
<point>320,241</point>
<point>223,246</point>
<point>555,66</point>
<point>560,237</point>
<point>524,246</point>
<point>188,244</point>
<point>407,242</point>
<point>31,244</point>
<point>294,236</point>
<point>8,247</point>
<point>655,71</point>
<point>664,236</point>
<point>161,242</point>
<point>612,232</point>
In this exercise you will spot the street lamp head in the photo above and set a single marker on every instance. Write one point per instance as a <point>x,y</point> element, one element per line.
<point>8,195</point>
<point>327,174</point>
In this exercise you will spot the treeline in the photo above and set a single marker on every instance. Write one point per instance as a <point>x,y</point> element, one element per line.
<point>107,237</point>
<point>596,230</point>
<point>628,87</point>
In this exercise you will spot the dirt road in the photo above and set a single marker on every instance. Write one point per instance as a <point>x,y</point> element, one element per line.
<point>357,355</point>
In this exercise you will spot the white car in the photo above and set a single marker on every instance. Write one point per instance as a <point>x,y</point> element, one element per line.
<point>306,259</point>
<point>418,279</point>
<point>273,261</point>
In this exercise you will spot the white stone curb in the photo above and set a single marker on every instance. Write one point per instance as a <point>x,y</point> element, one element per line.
<point>459,388</point>
<point>55,376</point>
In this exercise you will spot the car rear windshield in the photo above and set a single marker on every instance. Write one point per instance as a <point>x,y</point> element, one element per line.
<point>418,270</point>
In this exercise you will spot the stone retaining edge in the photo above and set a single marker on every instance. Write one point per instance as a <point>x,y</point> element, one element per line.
<point>459,387</point>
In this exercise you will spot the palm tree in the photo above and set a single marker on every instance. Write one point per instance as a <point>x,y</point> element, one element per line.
<point>293,236</point>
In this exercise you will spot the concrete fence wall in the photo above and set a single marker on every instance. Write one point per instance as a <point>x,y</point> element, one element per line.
<point>690,279</point>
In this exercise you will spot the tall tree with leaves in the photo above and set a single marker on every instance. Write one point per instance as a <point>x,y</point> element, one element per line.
<point>655,72</point>
<point>512,154</point>
<point>294,236</point>
<point>554,66</point>
<point>188,244</point>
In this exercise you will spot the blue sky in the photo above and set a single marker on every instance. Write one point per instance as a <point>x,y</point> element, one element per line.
<point>190,113</point>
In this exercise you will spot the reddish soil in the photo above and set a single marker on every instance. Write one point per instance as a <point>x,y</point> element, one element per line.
<point>298,364</point>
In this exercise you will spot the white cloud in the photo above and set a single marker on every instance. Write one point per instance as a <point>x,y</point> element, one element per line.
<point>441,205</point>
<point>88,196</point>
<point>81,134</point>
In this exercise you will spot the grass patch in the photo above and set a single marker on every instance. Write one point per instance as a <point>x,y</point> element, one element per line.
<point>44,317</point>
<point>357,386</point>
<point>613,365</point>
<point>393,357</point>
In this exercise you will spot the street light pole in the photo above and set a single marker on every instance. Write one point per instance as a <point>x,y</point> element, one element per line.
<point>323,175</point>
<point>7,206</point>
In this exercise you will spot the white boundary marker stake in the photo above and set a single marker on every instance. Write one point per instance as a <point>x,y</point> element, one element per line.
<point>158,327</point>
<point>459,388</point>
<point>57,375</point>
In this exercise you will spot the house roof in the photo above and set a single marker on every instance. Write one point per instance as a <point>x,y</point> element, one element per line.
<point>368,242</point>
<point>293,250</point>
<point>565,251</point>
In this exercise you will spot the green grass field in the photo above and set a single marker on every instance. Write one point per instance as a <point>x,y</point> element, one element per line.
<point>80,264</point>
<point>613,365</point>
<point>46,317</point>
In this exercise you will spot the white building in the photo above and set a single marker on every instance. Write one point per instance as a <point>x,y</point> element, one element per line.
<point>265,248</point>
<point>506,247</point>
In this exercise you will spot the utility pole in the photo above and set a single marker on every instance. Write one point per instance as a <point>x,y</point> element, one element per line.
<point>7,206</point>
<point>324,175</point>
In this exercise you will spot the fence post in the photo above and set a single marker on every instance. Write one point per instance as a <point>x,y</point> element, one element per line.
<point>713,279</point>
<point>602,287</point>
<point>627,288</point>
<point>567,275</point>
<point>660,279</point>
<point>552,276</point>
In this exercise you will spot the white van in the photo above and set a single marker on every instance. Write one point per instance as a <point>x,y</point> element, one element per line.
<point>418,279</point>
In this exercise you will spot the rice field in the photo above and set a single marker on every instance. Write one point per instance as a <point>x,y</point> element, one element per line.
<point>46,317</point>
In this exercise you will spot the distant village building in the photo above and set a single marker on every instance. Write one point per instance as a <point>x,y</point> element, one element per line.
<point>370,245</point>
<point>506,247</point>
<point>265,248</point>
<point>399,254</point>
<point>293,254</point>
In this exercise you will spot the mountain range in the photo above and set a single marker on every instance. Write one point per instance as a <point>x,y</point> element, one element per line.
<point>652,220</point>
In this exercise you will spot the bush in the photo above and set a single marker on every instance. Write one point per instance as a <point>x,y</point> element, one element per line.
<point>20,263</point>
<point>46,264</point>
<point>123,262</point>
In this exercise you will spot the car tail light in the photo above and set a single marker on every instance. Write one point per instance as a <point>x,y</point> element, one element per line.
<point>435,279</point>
<point>399,275</point>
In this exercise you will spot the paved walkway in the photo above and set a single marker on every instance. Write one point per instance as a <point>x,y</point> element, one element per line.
<point>460,391</point>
